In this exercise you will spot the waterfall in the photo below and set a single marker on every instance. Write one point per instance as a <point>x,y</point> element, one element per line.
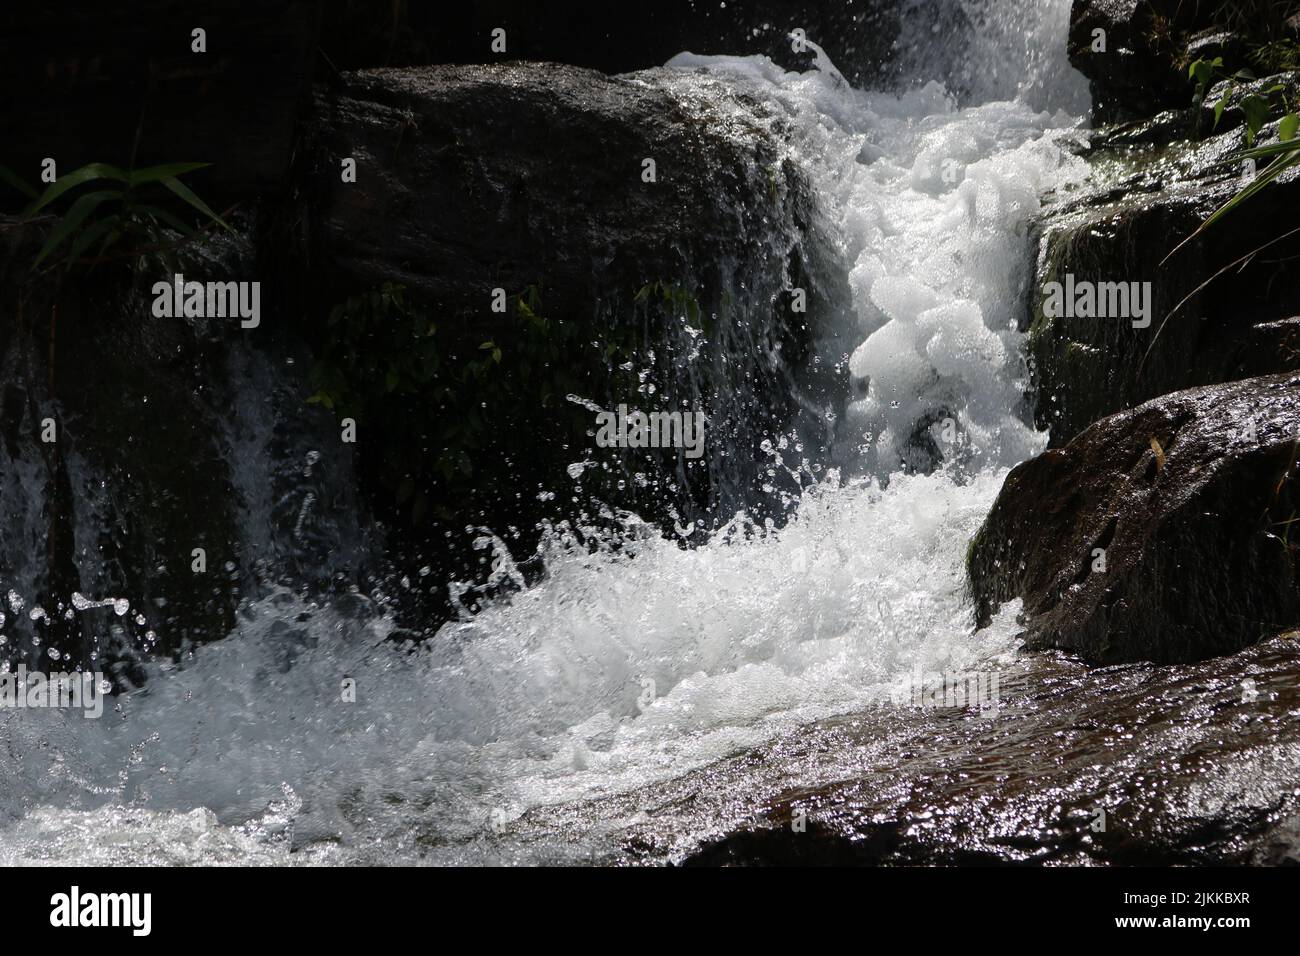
<point>313,727</point>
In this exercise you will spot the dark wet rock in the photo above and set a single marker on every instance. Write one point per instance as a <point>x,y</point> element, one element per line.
<point>528,178</point>
<point>532,174</point>
<point>1127,765</point>
<point>859,35</point>
<point>1162,533</point>
<point>1148,196</point>
<point>1280,87</point>
<point>1124,766</point>
<point>1136,53</point>
<point>119,83</point>
<point>1135,73</point>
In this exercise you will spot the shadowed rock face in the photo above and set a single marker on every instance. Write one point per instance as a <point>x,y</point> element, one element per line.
<point>475,177</point>
<point>172,434</point>
<point>1198,556</point>
<point>1148,44</point>
<point>514,177</point>
<point>1130,77</point>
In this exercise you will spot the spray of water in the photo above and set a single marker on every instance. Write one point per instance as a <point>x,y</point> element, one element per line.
<point>310,727</point>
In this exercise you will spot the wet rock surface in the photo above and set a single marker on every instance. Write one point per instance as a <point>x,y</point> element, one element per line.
<point>1136,53</point>
<point>1189,764</point>
<point>654,221</point>
<point>1160,533</point>
<point>1220,308</point>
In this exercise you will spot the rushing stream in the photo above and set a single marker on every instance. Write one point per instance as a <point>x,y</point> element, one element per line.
<point>629,669</point>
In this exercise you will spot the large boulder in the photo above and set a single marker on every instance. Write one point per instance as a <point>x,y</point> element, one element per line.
<point>1216,313</point>
<point>1162,533</point>
<point>526,242</point>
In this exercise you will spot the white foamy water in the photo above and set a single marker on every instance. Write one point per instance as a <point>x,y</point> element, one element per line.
<point>631,665</point>
<point>615,672</point>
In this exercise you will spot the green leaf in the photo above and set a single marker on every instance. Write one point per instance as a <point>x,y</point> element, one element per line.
<point>74,179</point>
<point>1289,126</point>
<point>156,174</point>
<point>1262,152</point>
<point>89,235</point>
<point>1202,72</point>
<point>180,189</point>
<point>1255,109</point>
<point>114,234</point>
<point>76,215</point>
<point>1260,181</point>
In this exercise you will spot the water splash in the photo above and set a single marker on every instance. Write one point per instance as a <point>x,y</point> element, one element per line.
<point>315,728</point>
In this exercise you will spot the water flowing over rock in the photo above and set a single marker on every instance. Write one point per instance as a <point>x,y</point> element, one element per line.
<point>476,634</point>
<point>1160,534</point>
<point>168,464</point>
<point>656,221</point>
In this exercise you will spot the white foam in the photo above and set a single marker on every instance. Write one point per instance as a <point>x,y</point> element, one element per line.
<point>635,664</point>
<point>618,670</point>
<point>931,203</point>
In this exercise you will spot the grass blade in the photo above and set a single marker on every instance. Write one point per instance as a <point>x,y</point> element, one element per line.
<point>1264,152</point>
<point>180,189</point>
<point>89,235</point>
<point>156,174</point>
<point>69,224</point>
<point>1257,184</point>
<point>74,179</point>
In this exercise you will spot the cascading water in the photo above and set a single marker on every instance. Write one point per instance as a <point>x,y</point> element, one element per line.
<point>636,664</point>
